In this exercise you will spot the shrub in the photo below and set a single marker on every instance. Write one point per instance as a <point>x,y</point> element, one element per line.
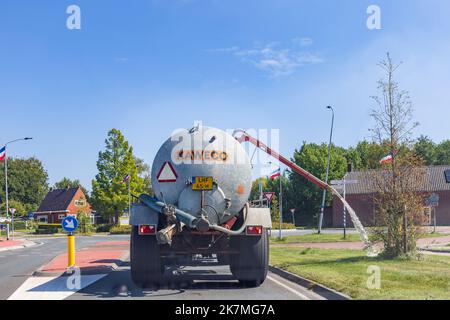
<point>47,228</point>
<point>276,225</point>
<point>84,224</point>
<point>103,228</point>
<point>125,229</point>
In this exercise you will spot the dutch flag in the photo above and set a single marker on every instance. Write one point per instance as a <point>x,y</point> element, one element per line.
<point>275,174</point>
<point>387,159</point>
<point>2,153</point>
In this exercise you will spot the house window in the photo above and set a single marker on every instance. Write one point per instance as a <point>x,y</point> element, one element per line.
<point>80,203</point>
<point>447,176</point>
<point>61,216</point>
<point>42,219</point>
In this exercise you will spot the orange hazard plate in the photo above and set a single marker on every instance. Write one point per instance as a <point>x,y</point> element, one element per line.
<point>202,183</point>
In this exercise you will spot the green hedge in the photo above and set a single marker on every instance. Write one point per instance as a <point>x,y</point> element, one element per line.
<point>104,228</point>
<point>48,228</point>
<point>276,225</point>
<point>120,229</point>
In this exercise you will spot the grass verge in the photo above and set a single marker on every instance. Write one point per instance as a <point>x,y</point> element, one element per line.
<point>347,271</point>
<point>316,238</point>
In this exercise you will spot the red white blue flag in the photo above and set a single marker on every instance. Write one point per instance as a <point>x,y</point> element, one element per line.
<point>275,174</point>
<point>127,178</point>
<point>2,153</point>
<point>387,159</point>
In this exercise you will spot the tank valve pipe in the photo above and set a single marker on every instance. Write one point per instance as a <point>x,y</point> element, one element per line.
<point>164,236</point>
<point>184,217</point>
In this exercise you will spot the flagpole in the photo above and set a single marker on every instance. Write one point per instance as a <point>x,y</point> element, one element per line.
<point>280,206</point>
<point>6,194</point>
<point>129,197</point>
<point>6,183</point>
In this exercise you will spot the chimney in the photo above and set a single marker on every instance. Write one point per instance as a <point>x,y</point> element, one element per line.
<point>349,167</point>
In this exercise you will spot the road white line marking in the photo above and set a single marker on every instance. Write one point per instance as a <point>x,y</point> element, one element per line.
<point>288,288</point>
<point>50,288</point>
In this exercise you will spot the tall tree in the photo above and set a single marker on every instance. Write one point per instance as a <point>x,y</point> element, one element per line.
<point>398,205</point>
<point>109,192</point>
<point>304,196</point>
<point>27,182</point>
<point>426,149</point>
<point>443,153</point>
<point>68,183</point>
<point>143,170</point>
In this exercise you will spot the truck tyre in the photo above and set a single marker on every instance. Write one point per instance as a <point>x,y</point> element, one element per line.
<point>251,265</point>
<point>145,260</point>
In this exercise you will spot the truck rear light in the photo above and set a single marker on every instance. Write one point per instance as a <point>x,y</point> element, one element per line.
<point>254,230</point>
<point>146,229</point>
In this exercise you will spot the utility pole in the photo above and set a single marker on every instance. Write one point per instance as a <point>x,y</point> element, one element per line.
<point>322,207</point>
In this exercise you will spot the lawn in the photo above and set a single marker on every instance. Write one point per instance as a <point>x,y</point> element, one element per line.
<point>346,271</point>
<point>332,237</point>
<point>316,238</point>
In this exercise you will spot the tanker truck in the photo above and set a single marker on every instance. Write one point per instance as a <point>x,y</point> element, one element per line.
<point>202,181</point>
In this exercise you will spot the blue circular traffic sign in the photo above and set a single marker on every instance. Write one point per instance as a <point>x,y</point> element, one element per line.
<point>70,224</point>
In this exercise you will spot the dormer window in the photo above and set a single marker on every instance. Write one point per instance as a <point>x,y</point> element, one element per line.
<point>447,176</point>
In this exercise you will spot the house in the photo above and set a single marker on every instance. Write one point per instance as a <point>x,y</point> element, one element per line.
<point>360,196</point>
<point>59,203</point>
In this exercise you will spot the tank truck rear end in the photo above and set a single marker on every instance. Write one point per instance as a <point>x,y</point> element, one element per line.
<point>202,182</point>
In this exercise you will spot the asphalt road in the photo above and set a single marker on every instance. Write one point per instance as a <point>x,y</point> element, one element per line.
<point>205,281</point>
<point>193,283</point>
<point>17,265</point>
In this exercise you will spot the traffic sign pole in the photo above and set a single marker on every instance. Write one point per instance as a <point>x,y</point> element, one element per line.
<point>70,224</point>
<point>70,250</point>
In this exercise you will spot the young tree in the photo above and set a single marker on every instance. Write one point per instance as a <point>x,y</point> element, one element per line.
<point>398,204</point>
<point>109,192</point>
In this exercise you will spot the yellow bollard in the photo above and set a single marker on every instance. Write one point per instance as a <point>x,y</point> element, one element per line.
<point>70,250</point>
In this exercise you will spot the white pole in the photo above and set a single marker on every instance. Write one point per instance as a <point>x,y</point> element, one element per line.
<point>322,207</point>
<point>280,205</point>
<point>129,197</point>
<point>6,194</point>
<point>344,211</point>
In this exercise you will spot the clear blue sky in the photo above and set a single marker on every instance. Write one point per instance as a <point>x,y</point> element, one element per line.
<point>149,67</point>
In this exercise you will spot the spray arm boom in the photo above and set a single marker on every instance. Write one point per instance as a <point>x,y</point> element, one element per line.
<point>245,137</point>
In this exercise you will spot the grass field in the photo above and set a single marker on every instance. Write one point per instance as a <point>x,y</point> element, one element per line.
<point>316,238</point>
<point>347,271</point>
<point>328,237</point>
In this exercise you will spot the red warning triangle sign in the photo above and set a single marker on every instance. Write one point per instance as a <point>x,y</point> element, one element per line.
<point>167,173</point>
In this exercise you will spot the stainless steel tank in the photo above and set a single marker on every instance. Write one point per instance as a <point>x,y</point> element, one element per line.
<point>203,152</point>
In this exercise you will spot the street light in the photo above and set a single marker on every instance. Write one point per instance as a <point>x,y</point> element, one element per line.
<point>322,207</point>
<point>6,182</point>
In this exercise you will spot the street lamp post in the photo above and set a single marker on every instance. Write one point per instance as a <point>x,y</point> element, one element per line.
<point>322,207</point>
<point>280,204</point>
<point>6,182</point>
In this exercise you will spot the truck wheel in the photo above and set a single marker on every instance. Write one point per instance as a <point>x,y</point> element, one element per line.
<point>145,260</point>
<point>251,265</point>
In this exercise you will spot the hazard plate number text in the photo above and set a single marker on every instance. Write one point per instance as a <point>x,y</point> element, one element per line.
<point>202,183</point>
